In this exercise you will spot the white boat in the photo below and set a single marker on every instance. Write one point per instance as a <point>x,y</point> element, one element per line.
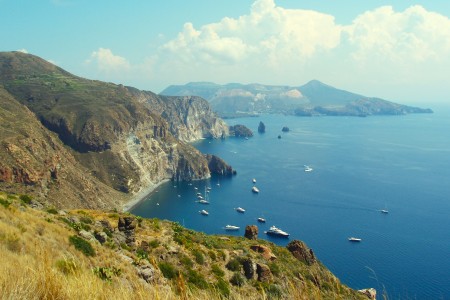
<point>203,201</point>
<point>353,239</point>
<point>254,180</point>
<point>199,197</point>
<point>276,231</point>
<point>384,211</point>
<point>255,190</point>
<point>204,212</point>
<point>308,168</point>
<point>261,220</point>
<point>231,227</point>
<point>240,209</point>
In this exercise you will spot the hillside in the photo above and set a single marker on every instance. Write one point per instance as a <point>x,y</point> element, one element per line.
<point>87,254</point>
<point>313,98</point>
<point>117,138</point>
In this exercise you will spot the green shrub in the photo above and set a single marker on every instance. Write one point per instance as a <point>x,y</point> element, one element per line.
<point>153,243</point>
<point>233,265</point>
<point>274,268</point>
<point>217,270</point>
<point>52,210</point>
<point>212,254</point>
<point>274,291</point>
<point>197,279</point>
<point>141,254</point>
<point>223,287</point>
<point>199,258</point>
<point>168,270</point>
<point>82,245</point>
<point>106,273</point>
<point>186,261</point>
<point>26,199</point>
<point>86,220</point>
<point>237,279</point>
<point>5,203</point>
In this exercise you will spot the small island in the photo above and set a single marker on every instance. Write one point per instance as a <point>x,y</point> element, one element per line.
<point>240,131</point>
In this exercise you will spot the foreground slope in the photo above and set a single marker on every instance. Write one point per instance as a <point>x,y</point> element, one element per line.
<point>86,254</point>
<point>313,98</point>
<point>127,139</point>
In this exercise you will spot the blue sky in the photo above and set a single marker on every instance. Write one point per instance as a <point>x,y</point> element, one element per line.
<point>397,50</point>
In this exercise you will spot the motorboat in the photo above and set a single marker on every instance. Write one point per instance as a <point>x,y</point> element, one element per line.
<point>231,227</point>
<point>203,201</point>
<point>353,239</point>
<point>384,211</point>
<point>308,168</point>
<point>255,190</point>
<point>199,197</point>
<point>261,220</point>
<point>204,212</point>
<point>240,209</point>
<point>254,180</point>
<point>276,231</point>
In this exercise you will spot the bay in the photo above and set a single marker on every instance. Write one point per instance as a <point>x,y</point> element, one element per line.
<point>360,166</point>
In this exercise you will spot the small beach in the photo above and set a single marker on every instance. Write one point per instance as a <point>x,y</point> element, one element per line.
<point>142,195</point>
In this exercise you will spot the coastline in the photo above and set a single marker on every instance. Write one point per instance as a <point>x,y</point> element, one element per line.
<point>141,195</point>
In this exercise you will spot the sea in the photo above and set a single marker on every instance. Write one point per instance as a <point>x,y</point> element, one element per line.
<point>360,166</point>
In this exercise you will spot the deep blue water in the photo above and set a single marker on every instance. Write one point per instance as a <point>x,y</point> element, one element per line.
<point>361,165</point>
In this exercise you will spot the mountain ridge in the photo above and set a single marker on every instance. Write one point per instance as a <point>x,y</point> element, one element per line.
<point>125,138</point>
<point>310,99</point>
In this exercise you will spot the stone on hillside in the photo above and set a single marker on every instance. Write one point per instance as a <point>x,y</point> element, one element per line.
<point>249,268</point>
<point>251,232</point>
<point>264,273</point>
<point>370,293</point>
<point>105,224</point>
<point>126,223</point>
<point>101,237</point>
<point>86,235</point>
<point>301,252</point>
<point>146,272</point>
<point>266,253</point>
<point>285,129</point>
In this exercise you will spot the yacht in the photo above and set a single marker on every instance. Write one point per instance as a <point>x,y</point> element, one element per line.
<point>254,180</point>
<point>203,201</point>
<point>276,231</point>
<point>308,168</point>
<point>204,212</point>
<point>255,190</point>
<point>384,211</point>
<point>261,220</point>
<point>231,227</point>
<point>240,209</point>
<point>353,239</point>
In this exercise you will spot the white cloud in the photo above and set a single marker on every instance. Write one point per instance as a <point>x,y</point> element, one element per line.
<point>107,62</point>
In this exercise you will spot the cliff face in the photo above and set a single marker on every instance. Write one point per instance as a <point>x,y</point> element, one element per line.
<point>126,138</point>
<point>34,161</point>
<point>190,118</point>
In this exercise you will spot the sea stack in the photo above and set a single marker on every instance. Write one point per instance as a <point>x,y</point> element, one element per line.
<point>261,127</point>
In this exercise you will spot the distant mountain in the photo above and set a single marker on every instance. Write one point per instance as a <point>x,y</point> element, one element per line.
<point>313,98</point>
<point>69,140</point>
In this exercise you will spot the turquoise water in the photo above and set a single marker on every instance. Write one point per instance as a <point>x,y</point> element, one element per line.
<point>361,165</point>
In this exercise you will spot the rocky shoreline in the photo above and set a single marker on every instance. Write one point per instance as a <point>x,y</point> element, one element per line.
<point>141,195</point>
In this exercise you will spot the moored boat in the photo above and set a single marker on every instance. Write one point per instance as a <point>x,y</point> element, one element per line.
<point>240,209</point>
<point>353,239</point>
<point>204,212</point>
<point>276,231</point>
<point>231,227</point>
<point>255,190</point>
<point>261,220</point>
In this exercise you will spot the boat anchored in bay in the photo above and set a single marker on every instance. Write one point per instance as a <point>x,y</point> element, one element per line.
<point>231,227</point>
<point>353,239</point>
<point>276,232</point>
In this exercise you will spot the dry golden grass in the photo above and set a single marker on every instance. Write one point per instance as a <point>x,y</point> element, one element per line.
<point>38,262</point>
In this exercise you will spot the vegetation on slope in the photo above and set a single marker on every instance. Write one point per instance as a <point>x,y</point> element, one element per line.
<point>83,254</point>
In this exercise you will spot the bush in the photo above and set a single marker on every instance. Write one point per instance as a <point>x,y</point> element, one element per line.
<point>237,279</point>
<point>233,265</point>
<point>217,270</point>
<point>5,203</point>
<point>186,261</point>
<point>106,273</point>
<point>274,269</point>
<point>26,199</point>
<point>153,243</point>
<point>52,211</point>
<point>199,258</point>
<point>141,254</point>
<point>82,245</point>
<point>197,279</point>
<point>86,220</point>
<point>223,287</point>
<point>168,270</point>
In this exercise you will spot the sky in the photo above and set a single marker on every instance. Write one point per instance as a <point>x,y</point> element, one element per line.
<point>397,50</point>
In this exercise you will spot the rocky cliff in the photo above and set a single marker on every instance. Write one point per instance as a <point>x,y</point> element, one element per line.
<point>126,138</point>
